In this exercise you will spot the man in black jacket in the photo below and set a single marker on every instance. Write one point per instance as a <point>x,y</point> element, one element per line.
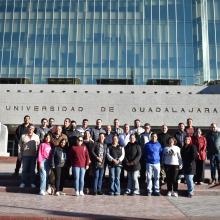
<point>132,165</point>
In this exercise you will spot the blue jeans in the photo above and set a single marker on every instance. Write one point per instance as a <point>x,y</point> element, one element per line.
<point>115,180</point>
<point>98,176</point>
<point>28,169</point>
<point>153,170</point>
<point>215,165</point>
<point>78,174</point>
<point>44,172</point>
<point>189,183</point>
<point>133,184</point>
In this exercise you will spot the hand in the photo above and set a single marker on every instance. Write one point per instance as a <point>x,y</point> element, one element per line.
<point>87,167</point>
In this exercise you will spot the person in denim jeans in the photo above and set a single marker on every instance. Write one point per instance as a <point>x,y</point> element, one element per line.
<point>152,154</point>
<point>27,151</point>
<point>189,156</point>
<point>80,160</point>
<point>44,161</point>
<point>115,155</point>
<point>98,160</point>
<point>213,152</point>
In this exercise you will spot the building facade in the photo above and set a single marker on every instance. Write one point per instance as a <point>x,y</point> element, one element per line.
<point>92,40</point>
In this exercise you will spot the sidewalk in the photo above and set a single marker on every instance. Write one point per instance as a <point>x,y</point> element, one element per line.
<point>27,204</point>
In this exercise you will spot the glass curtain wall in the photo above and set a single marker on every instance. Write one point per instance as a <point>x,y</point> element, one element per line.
<point>108,39</point>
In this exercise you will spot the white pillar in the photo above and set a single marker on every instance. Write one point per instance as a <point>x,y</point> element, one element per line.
<point>3,140</point>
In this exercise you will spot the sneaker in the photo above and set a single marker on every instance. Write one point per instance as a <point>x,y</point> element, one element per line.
<point>156,194</point>
<point>127,192</point>
<point>42,193</point>
<point>136,192</point>
<point>175,194</point>
<point>33,185</point>
<point>57,194</point>
<point>62,193</point>
<point>169,193</point>
<point>22,185</point>
<point>77,193</point>
<point>81,193</point>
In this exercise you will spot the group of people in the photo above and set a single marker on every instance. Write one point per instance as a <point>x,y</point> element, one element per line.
<point>159,157</point>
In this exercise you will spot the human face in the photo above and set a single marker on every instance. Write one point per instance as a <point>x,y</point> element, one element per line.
<point>147,128</point>
<point>51,122</point>
<point>116,123</point>
<point>31,130</point>
<point>189,122</point>
<point>27,120</point>
<point>44,123</point>
<point>199,132</point>
<point>154,138</point>
<point>187,140</point>
<point>85,124</point>
<point>80,141</point>
<point>137,124</point>
<point>87,135</point>
<point>62,143</point>
<point>115,140</point>
<point>181,127</point>
<point>66,123</point>
<point>164,129</point>
<point>108,128</point>
<point>47,139</point>
<point>214,127</point>
<point>132,139</point>
<point>101,138</point>
<point>59,130</point>
<point>99,123</point>
<point>126,129</point>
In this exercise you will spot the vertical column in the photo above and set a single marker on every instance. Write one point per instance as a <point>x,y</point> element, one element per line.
<point>126,41</point>
<point>216,46</point>
<point>101,41</point>
<point>12,24</point>
<point>93,38</point>
<point>151,39</point>
<point>27,44</point>
<point>68,40</point>
<point>118,41</point>
<point>110,38</point>
<point>177,46</point>
<point>159,41</point>
<point>3,43</point>
<point>52,43</point>
<point>43,49</point>
<point>205,40</point>
<point>135,40</point>
<point>35,42</point>
<point>168,40</point>
<point>84,48</point>
<point>19,41</point>
<point>143,43</point>
<point>184,20</point>
<point>77,26</point>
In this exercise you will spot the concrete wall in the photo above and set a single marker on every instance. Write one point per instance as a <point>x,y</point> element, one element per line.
<point>153,104</point>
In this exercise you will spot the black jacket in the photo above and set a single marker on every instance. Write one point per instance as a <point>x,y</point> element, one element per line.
<point>189,156</point>
<point>95,153</point>
<point>132,155</point>
<point>59,157</point>
<point>180,136</point>
<point>213,143</point>
<point>163,139</point>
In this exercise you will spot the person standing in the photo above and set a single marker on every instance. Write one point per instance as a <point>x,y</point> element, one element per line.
<point>145,138</point>
<point>97,130</point>
<point>116,128</point>
<point>43,129</point>
<point>125,136</point>
<point>115,155</point>
<point>152,153</point>
<point>137,130</point>
<point>132,165</point>
<point>180,135</point>
<point>213,151</point>
<point>189,156</point>
<point>21,129</point>
<point>27,152</point>
<point>99,152</point>
<point>172,163</point>
<point>79,157</point>
<point>44,161</point>
<point>190,129</point>
<point>59,159</point>
<point>109,134</point>
<point>85,127</point>
<point>200,142</point>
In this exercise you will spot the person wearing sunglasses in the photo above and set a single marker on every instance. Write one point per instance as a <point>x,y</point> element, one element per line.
<point>79,157</point>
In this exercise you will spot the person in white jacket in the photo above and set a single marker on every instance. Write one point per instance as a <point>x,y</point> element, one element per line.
<point>172,163</point>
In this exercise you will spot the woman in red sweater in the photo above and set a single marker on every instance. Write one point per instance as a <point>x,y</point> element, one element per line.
<point>79,157</point>
<point>200,142</point>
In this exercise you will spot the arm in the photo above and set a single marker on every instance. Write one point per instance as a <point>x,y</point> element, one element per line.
<point>121,158</point>
<point>87,158</point>
<point>109,157</point>
<point>138,155</point>
<point>40,155</point>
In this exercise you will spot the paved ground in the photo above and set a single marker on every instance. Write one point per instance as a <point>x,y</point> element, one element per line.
<point>21,205</point>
